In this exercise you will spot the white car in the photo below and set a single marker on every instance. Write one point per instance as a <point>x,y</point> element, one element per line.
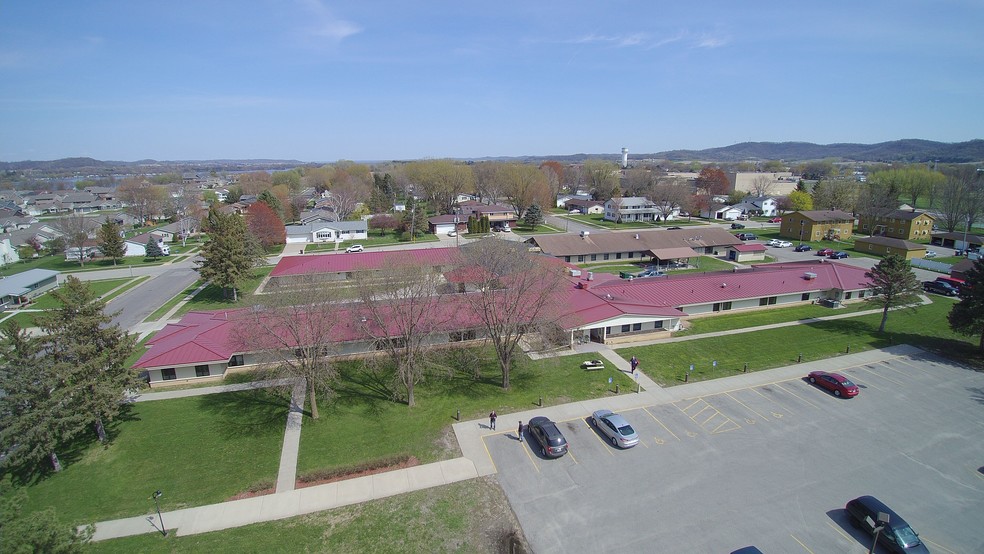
<point>930,254</point>
<point>452,233</point>
<point>773,242</point>
<point>354,248</point>
<point>783,244</point>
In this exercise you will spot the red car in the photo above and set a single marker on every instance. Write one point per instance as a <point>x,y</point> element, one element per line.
<point>775,220</point>
<point>834,382</point>
<point>825,251</point>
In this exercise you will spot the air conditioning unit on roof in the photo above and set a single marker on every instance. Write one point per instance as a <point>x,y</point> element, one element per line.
<point>809,276</point>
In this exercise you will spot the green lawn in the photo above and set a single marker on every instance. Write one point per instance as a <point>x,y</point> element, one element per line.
<point>363,423</point>
<point>742,320</point>
<point>58,263</point>
<point>925,327</point>
<point>542,229</point>
<point>47,301</point>
<point>598,221</point>
<point>213,298</point>
<point>454,518</point>
<point>197,450</point>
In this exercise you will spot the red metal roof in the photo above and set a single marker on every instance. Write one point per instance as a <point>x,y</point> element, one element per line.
<point>749,247</point>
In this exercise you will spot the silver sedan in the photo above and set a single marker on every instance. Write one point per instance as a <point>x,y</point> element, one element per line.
<point>614,426</point>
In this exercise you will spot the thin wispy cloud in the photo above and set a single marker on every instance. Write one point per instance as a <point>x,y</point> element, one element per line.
<point>324,24</point>
<point>645,40</point>
<point>618,41</point>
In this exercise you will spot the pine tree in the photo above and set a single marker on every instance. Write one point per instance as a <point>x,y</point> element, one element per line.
<point>229,254</point>
<point>967,316</point>
<point>154,248</point>
<point>271,200</point>
<point>893,284</point>
<point>111,241</point>
<point>88,352</point>
<point>534,216</point>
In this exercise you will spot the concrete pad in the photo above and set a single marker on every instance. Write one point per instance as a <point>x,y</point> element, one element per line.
<point>353,491</point>
<point>315,499</point>
<point>216,517</point>
<point>126,527</point>
<point>425,476</point>
<point>458,469</point>
<point>390,483</point>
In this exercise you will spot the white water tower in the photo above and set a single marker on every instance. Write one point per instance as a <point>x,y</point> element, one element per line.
<point>625,158</point>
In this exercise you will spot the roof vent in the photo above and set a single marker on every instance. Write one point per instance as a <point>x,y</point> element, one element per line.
<point>591,276</point>
<point>637,236</point>
<point>723,285</point>
<point>809,276</point>
<point>575,273</point>
<point>585,233</point>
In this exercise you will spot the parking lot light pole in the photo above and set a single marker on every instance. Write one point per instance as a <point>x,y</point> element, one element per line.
<point>157,494</point>
<point>878,526</point>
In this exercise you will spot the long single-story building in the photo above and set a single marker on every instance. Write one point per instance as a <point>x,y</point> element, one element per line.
<point>884,246</point>
<point>342,266</point>
<point>595,307</point>
<point>659,244</point>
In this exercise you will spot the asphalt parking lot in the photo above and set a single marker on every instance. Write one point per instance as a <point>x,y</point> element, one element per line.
<point>770,466</point>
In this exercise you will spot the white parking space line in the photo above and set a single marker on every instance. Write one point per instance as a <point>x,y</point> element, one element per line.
<point>880,376</point>
<point>796,395</point>
<point>597,435</point>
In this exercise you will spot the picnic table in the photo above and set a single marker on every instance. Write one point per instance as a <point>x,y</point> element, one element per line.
<point>593,364</point>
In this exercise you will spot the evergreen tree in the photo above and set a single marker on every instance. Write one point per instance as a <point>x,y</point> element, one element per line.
<point>967,316</point>
<point>229,254</point>
<point>88,352</point>
<point>39,531</point>
<point>111,241</point>
<point>414,218</point>
<point>36,414</point>
<point>271,200</point>
<point>154,248</point>
<point>534,216</point>
<point>486,224</point>
<point>893,284</point>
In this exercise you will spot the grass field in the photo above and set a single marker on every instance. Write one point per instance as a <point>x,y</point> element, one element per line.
<point>471,516</point>
<point>101,288</point>
<point>363,423</point>
<point>925,327</point>
<point>212,297</point>
<point>197,450</point>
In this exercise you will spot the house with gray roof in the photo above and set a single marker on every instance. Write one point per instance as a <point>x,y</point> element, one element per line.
<point>323,230</point>
<point>21,288</point>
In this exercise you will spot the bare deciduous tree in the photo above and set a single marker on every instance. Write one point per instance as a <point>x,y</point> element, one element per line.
<point>762,185</point>
<point>400,310</point>
<point>524,185</point>
<point>515,293</point>
<point>293,332</point>
<point>487,183</point>
<point>75,228</point>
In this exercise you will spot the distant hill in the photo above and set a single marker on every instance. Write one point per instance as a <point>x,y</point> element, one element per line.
<point>908,150</point>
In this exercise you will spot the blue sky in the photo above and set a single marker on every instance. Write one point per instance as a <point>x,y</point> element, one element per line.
<point>317,80</point>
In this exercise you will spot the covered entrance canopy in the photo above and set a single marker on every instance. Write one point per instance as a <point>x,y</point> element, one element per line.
<point>675,253</point>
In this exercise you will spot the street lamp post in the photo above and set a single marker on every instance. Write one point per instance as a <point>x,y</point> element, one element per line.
<point>157,494</point>
<point>456,244</point>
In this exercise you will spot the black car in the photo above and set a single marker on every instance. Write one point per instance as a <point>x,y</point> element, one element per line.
<point>803,248</point>
<point>838,255</point>
<point>552,441</point>
<point>939,287</point>
<point>737,226</point>
<point>896,536</point>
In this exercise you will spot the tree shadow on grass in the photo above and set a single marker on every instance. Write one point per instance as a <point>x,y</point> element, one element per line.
<point>248,413</point>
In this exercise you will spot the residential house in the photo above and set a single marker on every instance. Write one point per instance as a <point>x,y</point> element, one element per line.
<point>884,246</point>
<point>497,213</point>
<point>183,228</point>
<point>21,288</point>
<point>813,225</point>
<point>319,229</point>
<point>563,198</point>
<point>443,224</point>
<point>722,212</point>
<point>136,246</point>
<point>957,240</point>
<point>624,209</point>
<point>900,224</point>
<point>764,206</point>
<point>590,207</point>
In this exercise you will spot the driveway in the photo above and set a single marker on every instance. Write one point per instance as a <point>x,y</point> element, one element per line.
<point>769,465</point>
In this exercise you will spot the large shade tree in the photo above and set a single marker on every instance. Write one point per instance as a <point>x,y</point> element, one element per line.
<point>229,254</point>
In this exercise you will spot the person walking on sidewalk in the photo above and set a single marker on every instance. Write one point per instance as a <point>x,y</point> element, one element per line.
<point>634,363</point>
<point>492,417</point>
<point>520,432</point>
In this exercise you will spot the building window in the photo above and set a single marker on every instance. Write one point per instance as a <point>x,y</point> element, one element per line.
<point>631,254</point>
<point>608,330</point>
<point>580,258</point>
<point>459,336</point>
<point>848,295</point>
<point>637,326</point>
<point>168,374</point>
<point>806,296</point>
<point>606,256</point>
<point>625,328</point>
<point>860,294</point>
<point>236,360</point>
<point>658,324</point>
<point>201,370</point>
<point>727,306</point>
<point>567,259</point>
<point>594,257</point>
<point>717,307</point>
<point>618,256</point>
